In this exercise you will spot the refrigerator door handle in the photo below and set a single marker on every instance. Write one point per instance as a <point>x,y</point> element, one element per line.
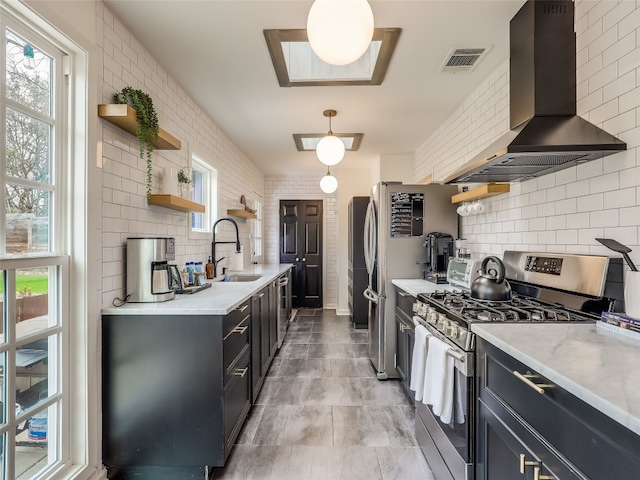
<point>370,295</point>
<point>370,243</point>
<point>366,238</point>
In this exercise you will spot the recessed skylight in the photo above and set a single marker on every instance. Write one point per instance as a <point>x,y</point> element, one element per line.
<point>296,64</point>
<point>307,142</point>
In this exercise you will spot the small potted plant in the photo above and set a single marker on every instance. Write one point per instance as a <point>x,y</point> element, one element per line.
<point>183,183</point>
<point>148,128</point>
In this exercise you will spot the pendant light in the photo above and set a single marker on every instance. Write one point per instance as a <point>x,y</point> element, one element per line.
<point>330,149</point>
<point>328,183</point>
<point>340,31</point>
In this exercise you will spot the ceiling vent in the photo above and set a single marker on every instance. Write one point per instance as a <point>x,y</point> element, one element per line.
<point>463,59</point>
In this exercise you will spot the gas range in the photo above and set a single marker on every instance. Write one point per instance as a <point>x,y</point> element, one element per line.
<point>452,312</point>
<point>577,289</point>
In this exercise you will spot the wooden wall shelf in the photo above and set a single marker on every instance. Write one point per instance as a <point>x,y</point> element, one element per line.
<point>125,117</point>
<point>242,214</point>
<point>483,191</point>
<point>175,203</point>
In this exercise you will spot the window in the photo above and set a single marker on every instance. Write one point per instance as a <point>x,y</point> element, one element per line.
<point>205,191</point>
<point>34,265</point>
<point>257,233</point>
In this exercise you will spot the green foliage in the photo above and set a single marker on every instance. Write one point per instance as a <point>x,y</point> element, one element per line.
<point>183,178</point>
<point>147,123</point>
<point>29,284</point>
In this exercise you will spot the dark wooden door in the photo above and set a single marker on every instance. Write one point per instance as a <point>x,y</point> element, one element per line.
<point>301,245</point>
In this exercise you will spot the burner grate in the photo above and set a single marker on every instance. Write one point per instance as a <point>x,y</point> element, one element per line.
<point>520,309</point>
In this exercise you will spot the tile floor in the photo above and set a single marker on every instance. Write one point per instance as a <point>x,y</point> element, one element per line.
<point>322,413</point>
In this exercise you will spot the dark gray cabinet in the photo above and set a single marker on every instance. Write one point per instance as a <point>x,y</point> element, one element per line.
<point>264,334</point>
<point>175,392</point>
<point>357,272</point>
<point>526,423</point>
<point>405,338</point>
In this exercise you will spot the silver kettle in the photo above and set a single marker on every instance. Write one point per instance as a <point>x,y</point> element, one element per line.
<point>491,286</point>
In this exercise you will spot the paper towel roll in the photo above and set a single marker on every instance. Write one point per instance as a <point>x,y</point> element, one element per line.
<point>632,294</point>
<point>236,263</point>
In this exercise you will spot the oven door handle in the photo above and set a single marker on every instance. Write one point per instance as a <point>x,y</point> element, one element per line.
<point>460,356</point>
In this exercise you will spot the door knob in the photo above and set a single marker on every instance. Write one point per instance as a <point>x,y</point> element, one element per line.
<point>297,259</point>
<point>304,259</point>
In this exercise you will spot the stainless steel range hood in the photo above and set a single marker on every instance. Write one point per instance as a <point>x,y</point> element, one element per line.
<point>546,134</point>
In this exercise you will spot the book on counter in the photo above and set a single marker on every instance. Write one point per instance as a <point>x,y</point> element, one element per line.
<point>621,321</point>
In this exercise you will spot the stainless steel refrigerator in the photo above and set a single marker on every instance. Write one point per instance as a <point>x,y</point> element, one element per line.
<point>398,218</point>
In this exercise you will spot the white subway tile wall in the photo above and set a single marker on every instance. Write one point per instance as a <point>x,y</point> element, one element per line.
<point>303,188</point>
<point>125,212</point>
<point>565,211</point>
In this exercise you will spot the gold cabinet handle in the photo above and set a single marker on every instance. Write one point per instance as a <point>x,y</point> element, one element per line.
<point>538,387</point>
<point>241,372</point>
<point>537,476</point>
<point>524,463</point>
<point>236,329</point>
<point>242,308</point>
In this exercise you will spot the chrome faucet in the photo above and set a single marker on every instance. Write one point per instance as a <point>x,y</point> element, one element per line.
<point>214,243</point>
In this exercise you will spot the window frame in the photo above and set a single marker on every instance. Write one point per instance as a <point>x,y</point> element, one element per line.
<point>70,227</point>
<point>258,236</point>
<point>210,199</point>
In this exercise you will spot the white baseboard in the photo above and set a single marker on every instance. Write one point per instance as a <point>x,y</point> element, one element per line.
<point>344,311</point>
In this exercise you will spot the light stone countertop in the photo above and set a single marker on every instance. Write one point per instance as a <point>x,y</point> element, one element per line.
<point>219,299</point>
<point>595,365</point>
<point>414,286</point>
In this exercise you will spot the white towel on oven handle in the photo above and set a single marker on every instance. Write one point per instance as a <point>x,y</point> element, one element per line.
<point>460,405</point>
<point>419,360</point>
<point>439,380</point>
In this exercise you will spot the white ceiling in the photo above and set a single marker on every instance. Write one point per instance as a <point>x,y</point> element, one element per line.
<point>216,51</point>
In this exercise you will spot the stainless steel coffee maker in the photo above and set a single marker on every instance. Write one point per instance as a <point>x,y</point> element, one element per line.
<point>148,278</point>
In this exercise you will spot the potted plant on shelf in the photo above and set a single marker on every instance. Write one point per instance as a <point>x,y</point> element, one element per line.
<point>147,130</point>
<point>184,181</point>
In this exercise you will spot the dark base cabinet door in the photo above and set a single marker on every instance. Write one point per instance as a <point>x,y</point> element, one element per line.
<point>506,453</point>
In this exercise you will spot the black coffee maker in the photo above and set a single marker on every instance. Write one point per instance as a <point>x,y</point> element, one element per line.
<point>440,247</point>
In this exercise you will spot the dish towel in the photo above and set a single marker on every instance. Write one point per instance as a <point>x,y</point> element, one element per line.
<point>419,361</point>
<point>439,380</point>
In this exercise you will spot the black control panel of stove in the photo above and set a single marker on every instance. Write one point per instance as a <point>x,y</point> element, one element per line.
<point>548,265</point>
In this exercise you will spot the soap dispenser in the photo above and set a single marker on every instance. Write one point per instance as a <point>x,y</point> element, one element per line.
<point>209,269</point>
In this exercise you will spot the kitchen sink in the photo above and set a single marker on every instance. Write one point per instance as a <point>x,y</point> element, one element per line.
<point>242,278</point>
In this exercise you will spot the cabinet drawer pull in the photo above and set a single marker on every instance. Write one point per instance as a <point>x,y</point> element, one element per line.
<point>242,308</point>
<point>403,294</point>
<point>537,476</point>
<point>240,330</point>
<point>524,463</point>
<point>538,387</point>
<point>241,372</point>
<point>261,295</point>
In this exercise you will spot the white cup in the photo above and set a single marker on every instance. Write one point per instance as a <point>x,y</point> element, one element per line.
<point>632,294</point>
<point>461,210</point>
<point>479,208</point>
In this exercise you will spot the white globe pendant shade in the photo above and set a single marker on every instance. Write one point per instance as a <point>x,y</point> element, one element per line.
<point>329,183</point>
<point>330,150</point>
<point>340,31</point>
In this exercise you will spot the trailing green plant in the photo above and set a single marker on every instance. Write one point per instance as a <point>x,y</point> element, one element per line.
<point>182,177</point>
<point>148,128</point>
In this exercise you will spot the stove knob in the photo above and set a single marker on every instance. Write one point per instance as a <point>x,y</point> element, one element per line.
<point>453,330</point>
